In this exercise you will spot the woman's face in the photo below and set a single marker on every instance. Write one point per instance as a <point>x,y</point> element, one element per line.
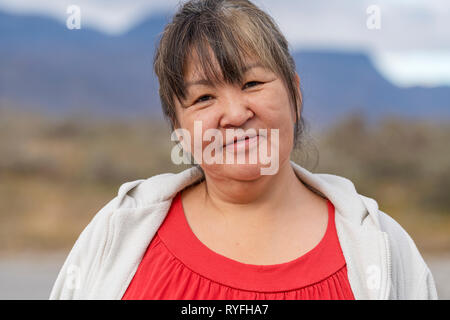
<point>260,102</point>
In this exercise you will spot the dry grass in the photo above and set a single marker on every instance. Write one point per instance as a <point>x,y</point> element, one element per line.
<point>55,174</point>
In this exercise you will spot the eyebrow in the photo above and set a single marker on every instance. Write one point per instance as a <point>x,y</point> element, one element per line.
<point>205,82</point>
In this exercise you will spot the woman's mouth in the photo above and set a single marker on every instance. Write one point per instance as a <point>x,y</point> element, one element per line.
<point>242,144</point>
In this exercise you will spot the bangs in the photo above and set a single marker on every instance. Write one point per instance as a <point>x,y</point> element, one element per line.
<point>216,64</point>
<point>222,47</point>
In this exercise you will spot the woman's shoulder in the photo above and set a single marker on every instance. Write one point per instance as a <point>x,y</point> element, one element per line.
<point>401,243</point>
<point>156,189</point>
<point>147,193</point>
<point>126,221</point>
<point>411,276</point>
<point>410,273</point>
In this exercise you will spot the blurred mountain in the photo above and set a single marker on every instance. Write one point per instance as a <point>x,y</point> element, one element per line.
<point>45,66</point>
<point>335,83</point>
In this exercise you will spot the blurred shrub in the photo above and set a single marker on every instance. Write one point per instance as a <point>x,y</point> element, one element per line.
<point>56,173</point>
<point>409,154</point>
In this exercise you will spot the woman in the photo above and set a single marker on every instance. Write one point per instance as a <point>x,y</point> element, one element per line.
<point>230,230</point>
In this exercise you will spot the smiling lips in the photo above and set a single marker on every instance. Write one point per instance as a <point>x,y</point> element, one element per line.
<point>244,140</point>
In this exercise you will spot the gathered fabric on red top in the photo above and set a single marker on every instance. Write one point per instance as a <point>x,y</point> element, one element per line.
<point>178,266</point>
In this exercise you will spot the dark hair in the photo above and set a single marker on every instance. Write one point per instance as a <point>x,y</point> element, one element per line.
<point>231,30</point>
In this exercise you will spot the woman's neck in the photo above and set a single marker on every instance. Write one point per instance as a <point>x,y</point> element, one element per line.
<point>256,198</point>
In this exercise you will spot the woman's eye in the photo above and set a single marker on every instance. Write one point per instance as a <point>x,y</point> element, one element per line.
<point>203,99</point>
<point>251,84</point>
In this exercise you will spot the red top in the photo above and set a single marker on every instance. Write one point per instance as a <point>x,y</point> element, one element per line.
<point>178,266</point>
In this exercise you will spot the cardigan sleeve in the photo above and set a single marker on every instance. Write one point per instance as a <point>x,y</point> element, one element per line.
<point>75,277</point>
<point>411,278</point>
<point>426,289</point>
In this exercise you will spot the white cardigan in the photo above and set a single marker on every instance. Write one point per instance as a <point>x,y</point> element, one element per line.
<point>382,260</point>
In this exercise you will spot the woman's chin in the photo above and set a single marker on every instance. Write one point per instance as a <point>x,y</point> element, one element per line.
<point>243,172</point>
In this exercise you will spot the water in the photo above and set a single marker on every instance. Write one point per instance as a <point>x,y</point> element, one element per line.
<point>31,276</point>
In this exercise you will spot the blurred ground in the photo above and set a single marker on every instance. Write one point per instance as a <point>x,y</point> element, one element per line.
<point>29,276</point>
<point>56,173</point>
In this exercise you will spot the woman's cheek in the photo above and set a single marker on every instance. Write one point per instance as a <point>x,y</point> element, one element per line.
<point>198,125</point>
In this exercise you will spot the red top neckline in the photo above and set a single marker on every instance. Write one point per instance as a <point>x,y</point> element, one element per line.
<point>322,261</point>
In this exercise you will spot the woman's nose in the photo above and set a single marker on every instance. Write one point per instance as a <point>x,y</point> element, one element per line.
<point>236,111</point>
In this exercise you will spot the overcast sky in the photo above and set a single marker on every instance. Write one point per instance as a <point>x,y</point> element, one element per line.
<point>412,46</point>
